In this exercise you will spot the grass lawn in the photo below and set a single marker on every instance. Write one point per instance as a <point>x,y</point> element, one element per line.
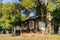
<point>30,37</point>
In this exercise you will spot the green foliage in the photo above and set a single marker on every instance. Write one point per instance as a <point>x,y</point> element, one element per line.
<point>51,7</point>
<point>28,4</point>
<point>10,15</point>
<point>6,24</point>
<point>56,13</point>
<point>23,18</point>
<point>8,8</point>
<point>0,8</point>
<point>58,4</point>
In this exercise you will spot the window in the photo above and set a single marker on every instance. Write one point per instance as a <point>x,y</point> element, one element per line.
<point>31,24</point>
<point>42,26</point>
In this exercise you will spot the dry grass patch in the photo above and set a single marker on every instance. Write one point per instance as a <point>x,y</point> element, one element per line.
<point>30,37</point>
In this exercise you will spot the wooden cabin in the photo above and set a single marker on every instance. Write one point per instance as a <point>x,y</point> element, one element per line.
<point>33,24</point>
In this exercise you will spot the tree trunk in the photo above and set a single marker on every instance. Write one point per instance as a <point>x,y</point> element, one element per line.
<point>49,27</point>
<point>14,31</point>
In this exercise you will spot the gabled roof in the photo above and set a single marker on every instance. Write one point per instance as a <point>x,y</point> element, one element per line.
<point>33,17</point>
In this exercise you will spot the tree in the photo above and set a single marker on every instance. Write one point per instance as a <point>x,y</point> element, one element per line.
<point>56,13</point>
<point>6,11</point>
<point>50,8</point>
<point>0,11</point>
<point>11,14</point>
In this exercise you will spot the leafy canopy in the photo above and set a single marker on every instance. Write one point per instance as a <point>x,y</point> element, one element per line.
<point>51,7</point>
<point>28,4</point>
<point>11,14</point>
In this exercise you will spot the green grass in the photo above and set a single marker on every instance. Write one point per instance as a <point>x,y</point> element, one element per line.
<point>31,37</point>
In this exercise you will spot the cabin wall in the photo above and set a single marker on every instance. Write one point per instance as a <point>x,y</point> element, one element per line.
<point>27,26</point>
<point>36,24</point>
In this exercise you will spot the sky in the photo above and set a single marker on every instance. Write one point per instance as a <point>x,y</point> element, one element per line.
<point>5,1</point>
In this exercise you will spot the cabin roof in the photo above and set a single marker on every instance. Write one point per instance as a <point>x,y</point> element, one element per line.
<point>33,17</point>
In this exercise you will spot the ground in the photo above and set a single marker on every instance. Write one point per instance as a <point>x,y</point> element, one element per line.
<point>29,37</point>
